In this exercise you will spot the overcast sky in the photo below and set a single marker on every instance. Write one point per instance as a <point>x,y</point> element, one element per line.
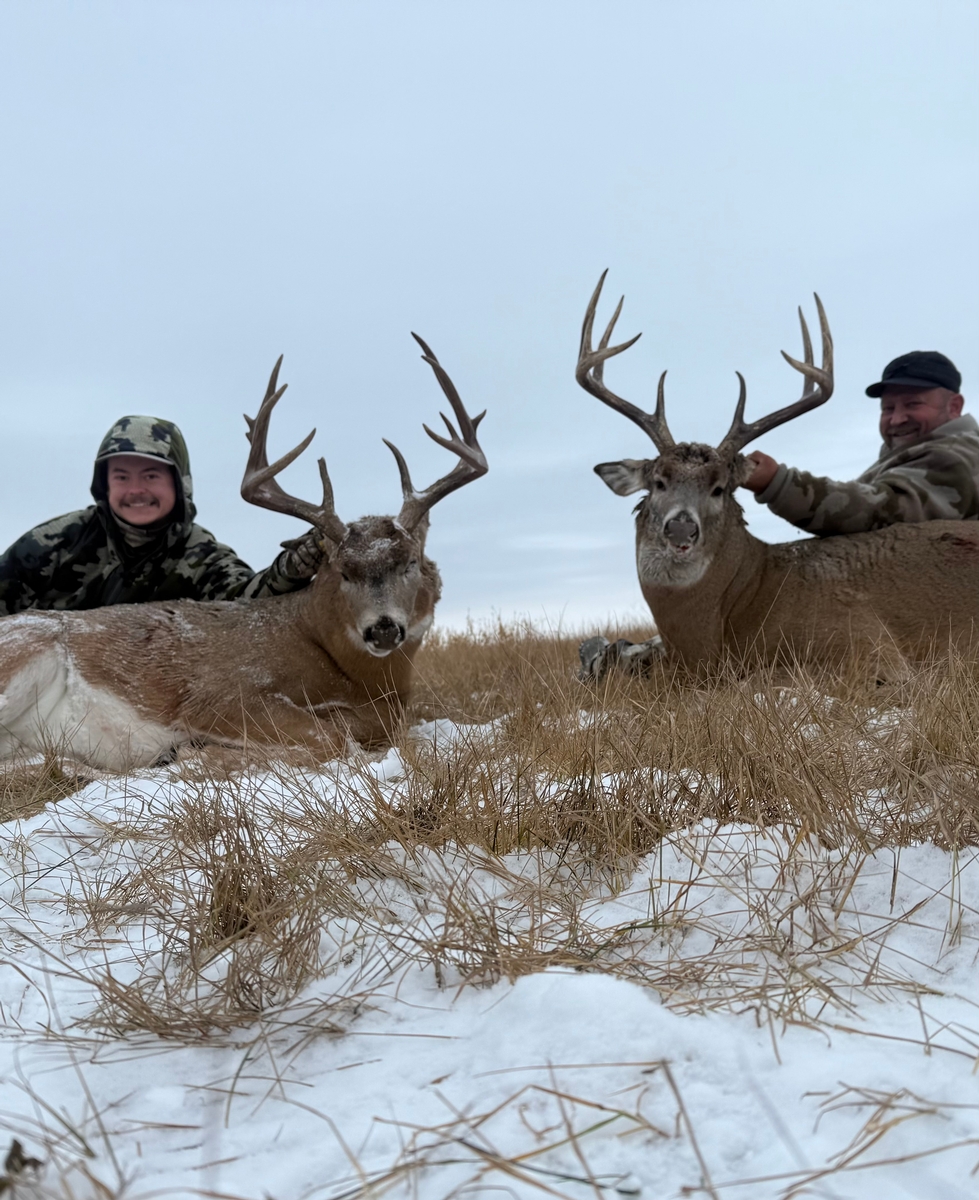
<point>191,189</point>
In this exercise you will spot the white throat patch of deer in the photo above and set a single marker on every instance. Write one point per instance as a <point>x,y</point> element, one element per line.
<point>716,590</point>
<point>123,687</point>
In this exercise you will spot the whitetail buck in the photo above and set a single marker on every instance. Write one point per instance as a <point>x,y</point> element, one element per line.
<point>715,590</point>
<point>125,686</point>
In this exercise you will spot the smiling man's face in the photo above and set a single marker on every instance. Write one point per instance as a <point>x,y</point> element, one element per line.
<point>141,490</point>
<point>909,414</point>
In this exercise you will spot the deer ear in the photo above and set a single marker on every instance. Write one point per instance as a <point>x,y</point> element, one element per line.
<point>623,477</point>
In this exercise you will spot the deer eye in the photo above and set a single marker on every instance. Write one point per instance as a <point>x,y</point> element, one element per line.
<point>718,491</point>
<point>659,485</point>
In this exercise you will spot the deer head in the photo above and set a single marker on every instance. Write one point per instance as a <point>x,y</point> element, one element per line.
<point>376,588</point>
<point>689,507</point>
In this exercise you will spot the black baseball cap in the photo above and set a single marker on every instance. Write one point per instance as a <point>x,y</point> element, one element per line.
<point>922,369</point>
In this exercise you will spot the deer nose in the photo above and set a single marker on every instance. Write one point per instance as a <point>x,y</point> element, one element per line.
<point>681,530</point>
<point>384,634</point>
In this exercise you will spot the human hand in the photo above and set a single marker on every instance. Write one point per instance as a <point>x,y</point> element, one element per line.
<point>301,556</point>
<point>763,473</point>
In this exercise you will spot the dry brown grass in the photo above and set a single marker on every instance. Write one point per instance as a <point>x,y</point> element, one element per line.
<point>25,788</point>
<point>243,872</point>
<point>250,886</point>
<point>790,746</point>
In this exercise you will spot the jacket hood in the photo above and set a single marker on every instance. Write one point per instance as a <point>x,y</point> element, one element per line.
<point>154,438</point>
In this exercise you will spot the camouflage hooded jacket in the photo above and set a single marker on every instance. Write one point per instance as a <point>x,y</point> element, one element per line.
<point>936,479</point>
<point>84,560</point>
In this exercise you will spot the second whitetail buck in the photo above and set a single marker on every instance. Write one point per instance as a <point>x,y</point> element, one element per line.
<point>715,590</point>
<point>125,686</point>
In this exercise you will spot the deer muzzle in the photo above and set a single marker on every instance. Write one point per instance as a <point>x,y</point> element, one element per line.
<point>384,635</point>
<point>681,531</point>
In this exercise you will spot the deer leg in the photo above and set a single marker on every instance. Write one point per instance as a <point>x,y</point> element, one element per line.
<point>638,657</point>
<point>592,655</point>
<point>279,723</point>
<point>599,656</point>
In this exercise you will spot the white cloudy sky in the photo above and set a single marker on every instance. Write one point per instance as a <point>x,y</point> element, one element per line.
<point>190,189</point>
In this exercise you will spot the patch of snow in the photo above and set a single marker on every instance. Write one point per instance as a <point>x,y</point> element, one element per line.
<point>662,1063</point>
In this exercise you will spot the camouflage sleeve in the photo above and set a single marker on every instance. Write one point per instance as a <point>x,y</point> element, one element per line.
<point>219,574</point>
<point>28,567</point>
<point>18,578</point>
<point>273,581</point>
<point>937,485</point>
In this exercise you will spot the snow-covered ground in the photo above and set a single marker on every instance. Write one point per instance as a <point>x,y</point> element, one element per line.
<point>741,1015</point>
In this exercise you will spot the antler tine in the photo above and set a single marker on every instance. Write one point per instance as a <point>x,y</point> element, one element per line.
<point>472,461</point>
<point>814,375</point>
<point>659,414</point>
<point>742,397</point>
<point>607,337</point>
<point>466,423</point>
<point>259,485</point>
<point>591,366</point>
<point>456,444</point>
<point>339,529</point>
<point>806,339</point>
<point>407,487</point>
<point>817,390</point>
<point>270,399</point>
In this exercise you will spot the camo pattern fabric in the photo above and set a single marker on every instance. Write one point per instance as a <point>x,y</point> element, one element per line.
<point>936,479</point>
<point>83,560</point>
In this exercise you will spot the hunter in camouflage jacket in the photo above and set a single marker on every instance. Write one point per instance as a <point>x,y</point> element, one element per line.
<point>935,479</point>
<point>90,558</point>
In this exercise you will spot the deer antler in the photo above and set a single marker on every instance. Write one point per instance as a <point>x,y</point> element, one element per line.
<point>472,462</point>
<point>591,364</point>
<point>818,389</point>
<point>259,485</point>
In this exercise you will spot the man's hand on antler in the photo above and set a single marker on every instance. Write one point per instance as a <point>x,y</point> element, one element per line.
<point>301,556</point>
<point>763,473</point>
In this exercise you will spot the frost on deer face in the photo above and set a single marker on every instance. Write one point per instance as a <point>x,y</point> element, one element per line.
<point>679,521</point>
<point>387,585</point>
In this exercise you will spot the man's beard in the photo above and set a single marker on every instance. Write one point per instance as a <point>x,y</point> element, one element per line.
<point>897,441</point>
<point>915,432</point>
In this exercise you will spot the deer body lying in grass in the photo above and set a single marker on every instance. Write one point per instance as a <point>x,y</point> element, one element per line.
<point>715,591</point>
<point>124,686</point>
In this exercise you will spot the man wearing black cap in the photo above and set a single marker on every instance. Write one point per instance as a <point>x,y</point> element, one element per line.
<point>927,470</point>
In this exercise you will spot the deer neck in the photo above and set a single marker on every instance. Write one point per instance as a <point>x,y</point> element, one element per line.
<point>692,617</point>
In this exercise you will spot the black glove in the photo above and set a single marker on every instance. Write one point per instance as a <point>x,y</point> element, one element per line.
<point>301,557</point>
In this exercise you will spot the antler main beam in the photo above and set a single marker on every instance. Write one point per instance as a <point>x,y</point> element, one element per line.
<point>259,485</point>
<point>591,365</point>
<point>818,389</point>
<point>472,461</point>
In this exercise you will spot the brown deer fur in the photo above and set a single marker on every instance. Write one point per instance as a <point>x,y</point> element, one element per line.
<point>715,590</point>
